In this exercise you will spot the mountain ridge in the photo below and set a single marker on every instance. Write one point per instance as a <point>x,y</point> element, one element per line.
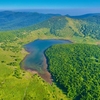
<point>64,26</point>
<point>55,24</point>
<point>15,20</point>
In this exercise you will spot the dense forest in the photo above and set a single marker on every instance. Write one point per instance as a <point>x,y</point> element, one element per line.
<point>76,70</point>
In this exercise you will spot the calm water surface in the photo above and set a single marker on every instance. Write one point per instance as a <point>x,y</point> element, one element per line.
<point>36,59</point>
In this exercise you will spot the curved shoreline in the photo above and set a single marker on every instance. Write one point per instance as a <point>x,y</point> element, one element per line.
<point>46,75</point>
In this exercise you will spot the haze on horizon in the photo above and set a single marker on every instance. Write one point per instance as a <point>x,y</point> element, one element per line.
<point>71,7</point>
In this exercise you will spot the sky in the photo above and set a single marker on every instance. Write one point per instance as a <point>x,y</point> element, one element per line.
<point>53,6</point>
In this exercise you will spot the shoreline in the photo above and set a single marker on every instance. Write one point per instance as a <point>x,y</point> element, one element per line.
<point>46,75</point>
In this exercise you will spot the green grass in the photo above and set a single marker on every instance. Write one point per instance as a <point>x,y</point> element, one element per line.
<point>16,84</point>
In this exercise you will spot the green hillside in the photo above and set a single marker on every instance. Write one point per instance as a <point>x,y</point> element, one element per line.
<point>17,84</point>
<point>77,29</point>
<point>75,68</point>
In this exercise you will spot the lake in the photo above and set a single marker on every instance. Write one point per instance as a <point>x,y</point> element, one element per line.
<point>36,60</point>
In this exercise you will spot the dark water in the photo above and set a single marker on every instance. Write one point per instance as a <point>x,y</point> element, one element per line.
<point>36,59</point>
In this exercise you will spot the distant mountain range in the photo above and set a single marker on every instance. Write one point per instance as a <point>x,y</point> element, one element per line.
<point>14,20</point>
<point>79,26</point>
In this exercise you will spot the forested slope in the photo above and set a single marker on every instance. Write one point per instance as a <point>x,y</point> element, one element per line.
<point>76,70</point>
<point>62,26</point>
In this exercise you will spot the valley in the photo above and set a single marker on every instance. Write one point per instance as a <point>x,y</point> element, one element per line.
<point>84,32</point>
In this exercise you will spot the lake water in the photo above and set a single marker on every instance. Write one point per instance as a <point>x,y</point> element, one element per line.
<point>36,60</point>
